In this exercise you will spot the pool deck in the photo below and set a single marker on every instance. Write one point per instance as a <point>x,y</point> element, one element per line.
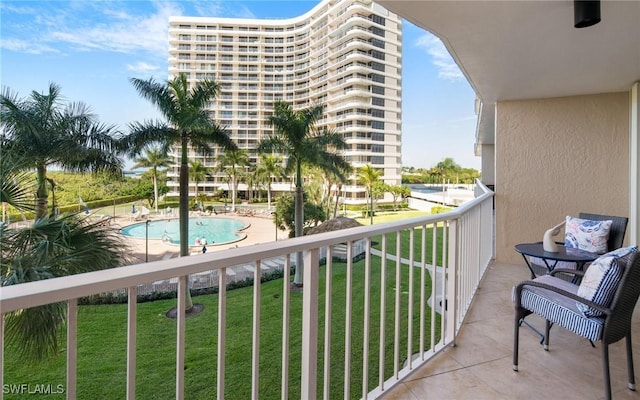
<point>261,230</point>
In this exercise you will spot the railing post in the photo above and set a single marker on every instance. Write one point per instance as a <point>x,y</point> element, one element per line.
<point>255,353</point>
<point>1,352</point>
<point>222,330</point>
<point>180,336</point>
<point>286,305</point>
<point>72,347</point>
<point>131,342</point>
<point>451,298</point>
<point>310,324</point>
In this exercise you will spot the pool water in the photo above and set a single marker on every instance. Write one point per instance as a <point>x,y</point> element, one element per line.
<point>215,230</point>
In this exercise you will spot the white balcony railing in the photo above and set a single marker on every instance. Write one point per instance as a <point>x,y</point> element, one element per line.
<point>425,269</point>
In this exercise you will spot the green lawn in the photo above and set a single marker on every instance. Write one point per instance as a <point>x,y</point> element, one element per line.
<point>102,343</point>
<point>405,249</point>
<point>405,244</point>
<point>381,217</point>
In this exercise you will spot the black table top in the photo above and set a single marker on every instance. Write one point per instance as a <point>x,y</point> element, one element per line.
<point>563,254</point>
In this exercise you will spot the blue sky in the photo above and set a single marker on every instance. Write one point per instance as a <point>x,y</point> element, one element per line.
<point>92,48</point>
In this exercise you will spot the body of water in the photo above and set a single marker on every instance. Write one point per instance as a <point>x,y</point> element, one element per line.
<point>214,230</point>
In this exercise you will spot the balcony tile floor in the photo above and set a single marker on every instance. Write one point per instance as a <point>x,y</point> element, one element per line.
<point>480,365</point>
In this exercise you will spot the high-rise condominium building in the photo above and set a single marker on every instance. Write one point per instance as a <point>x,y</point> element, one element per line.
<point>342,54</point>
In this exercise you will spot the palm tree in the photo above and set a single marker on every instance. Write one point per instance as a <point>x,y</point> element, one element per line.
<point>252,179</point>
<point>188,124</point>
<point>297,137</point>
<point>435,174</point>
<point>198,173</point>
<point>153,159</point>
<point>233,163</point>
<point>15,182</point>
<point>270,167</point>
<point>339,181</point>
<point>448,168</point>
<point>51,247</point>
<point>368,176</point>
<point>44,131</point>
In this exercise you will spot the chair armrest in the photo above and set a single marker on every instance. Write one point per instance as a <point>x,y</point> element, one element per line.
<point>567,271</point>
<point>589,303</point>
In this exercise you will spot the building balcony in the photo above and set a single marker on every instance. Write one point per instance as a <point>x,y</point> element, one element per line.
<point>479,366</point>
<point>438,260</point>
<point>466,231</point>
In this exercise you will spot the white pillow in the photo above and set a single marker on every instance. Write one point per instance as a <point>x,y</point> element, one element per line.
<point>601,280</point>
<point>587,235</point>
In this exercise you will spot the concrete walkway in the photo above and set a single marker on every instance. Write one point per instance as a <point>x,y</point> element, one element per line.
<point>260,230</point>
<point>436,280</point>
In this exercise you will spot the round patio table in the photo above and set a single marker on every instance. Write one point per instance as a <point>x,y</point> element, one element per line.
<point>550,259</point>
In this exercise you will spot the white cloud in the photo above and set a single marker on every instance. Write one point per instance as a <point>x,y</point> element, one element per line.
<point>208,8</point>
<point>24,46</point>
<point>94,26</point>
<point>141,66</point>
<point>122,32</point>
<point>220,8</point>
<point>244,12</point>
<point>447,68</point>
<point>16,9</point>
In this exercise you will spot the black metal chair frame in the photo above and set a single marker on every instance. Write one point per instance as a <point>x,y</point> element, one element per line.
<point>617,317</point>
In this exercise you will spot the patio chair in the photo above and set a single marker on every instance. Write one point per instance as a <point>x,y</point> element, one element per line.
<point>134,216</point>
<point>616,238</point>
<point>606,319</point>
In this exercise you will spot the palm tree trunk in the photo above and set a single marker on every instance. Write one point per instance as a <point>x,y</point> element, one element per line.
<point>197,204</point>
<point>233,194</point>
<point>299,221</point>
<point>269,194</point>
<point>184,213</point>
<point>371,197</point>
<point>42,193</point>
<point>184,201</point>
<point>155,190</point>
<point>335,206</point>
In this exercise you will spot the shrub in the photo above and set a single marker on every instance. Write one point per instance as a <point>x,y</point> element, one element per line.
<point>122,298</point>
<point>440,209</point>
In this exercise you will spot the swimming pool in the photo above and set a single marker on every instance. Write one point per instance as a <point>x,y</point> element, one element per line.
<point>215,230</point>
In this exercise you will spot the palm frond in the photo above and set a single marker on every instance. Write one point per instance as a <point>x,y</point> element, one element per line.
<point>157,93</point>
<point>36,330</point>
<point>201,139</point>
<point>16,185</point>
<point>203,93</point>
<point>78,111</point>
<point>155,157</point>
<point>52,247</point>
<point>143,134</point>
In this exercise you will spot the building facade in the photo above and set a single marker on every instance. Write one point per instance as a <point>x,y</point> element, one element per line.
<point>553,142</point>
<point>344,55</point>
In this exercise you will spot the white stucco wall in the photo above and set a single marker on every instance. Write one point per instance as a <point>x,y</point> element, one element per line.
<point>488,164</point>
<point>557,157</point>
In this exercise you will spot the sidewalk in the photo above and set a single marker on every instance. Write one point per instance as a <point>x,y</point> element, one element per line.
<point>259,230</point>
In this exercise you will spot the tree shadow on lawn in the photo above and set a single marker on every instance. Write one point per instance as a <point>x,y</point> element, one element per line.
<point>195,310</point>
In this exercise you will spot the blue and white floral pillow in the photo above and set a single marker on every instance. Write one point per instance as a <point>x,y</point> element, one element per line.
<point>587,235</point>
<point>601,280</point>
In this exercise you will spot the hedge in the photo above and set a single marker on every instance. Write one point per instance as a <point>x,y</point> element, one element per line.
<point>71,208</point>
<point>122,298</point>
